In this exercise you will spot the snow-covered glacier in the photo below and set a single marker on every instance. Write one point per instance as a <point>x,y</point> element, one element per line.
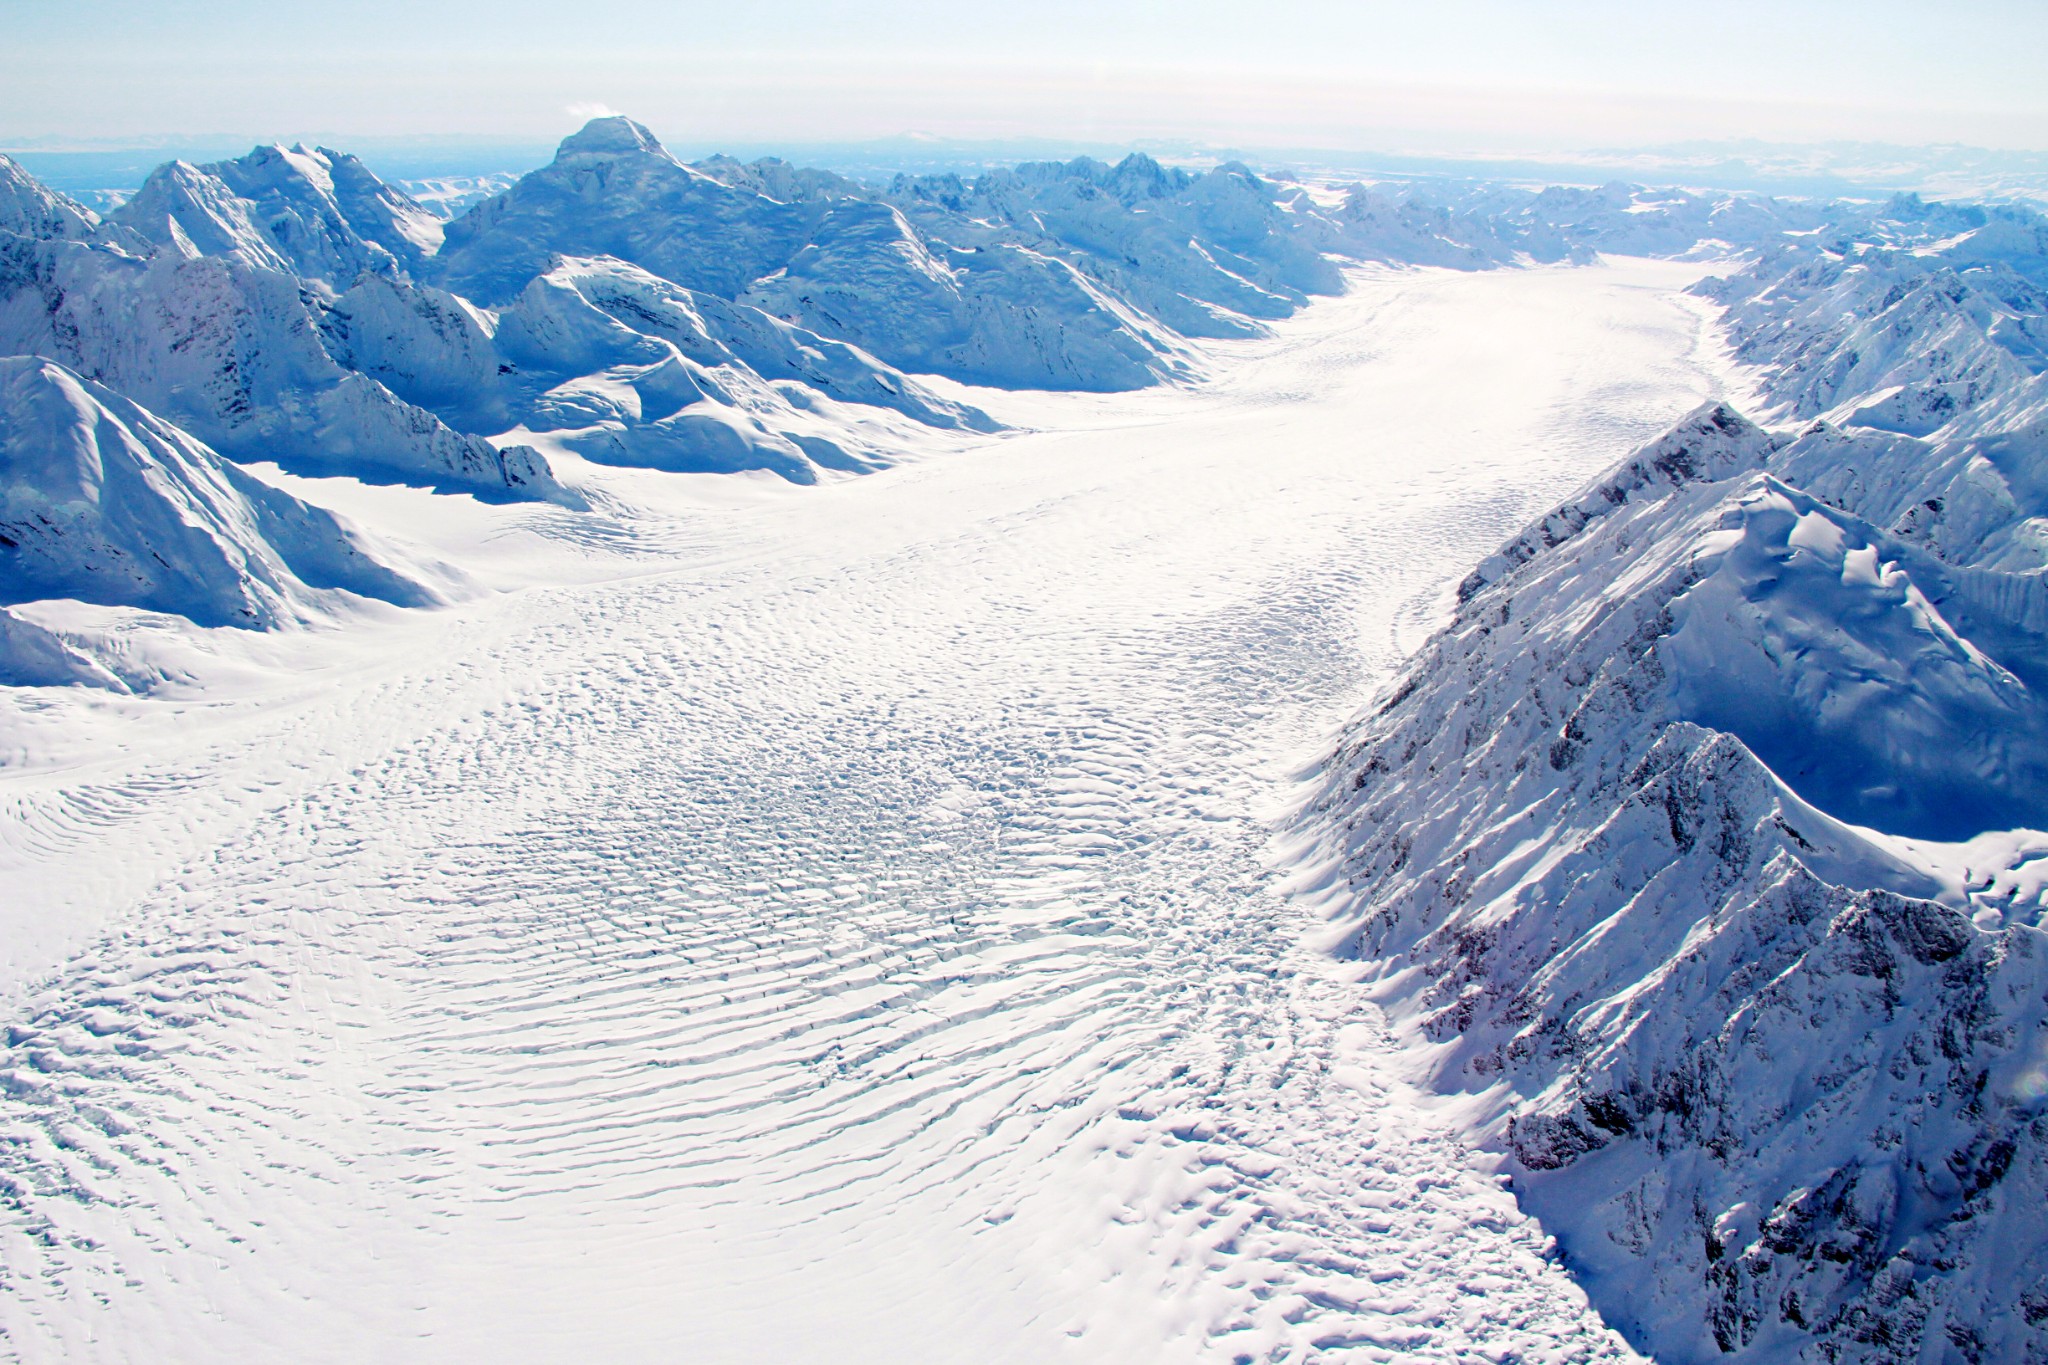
<point>1700,851</point>
<point>543,856</point>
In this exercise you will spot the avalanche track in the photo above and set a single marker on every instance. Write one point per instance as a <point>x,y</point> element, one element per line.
<point>839,925</point>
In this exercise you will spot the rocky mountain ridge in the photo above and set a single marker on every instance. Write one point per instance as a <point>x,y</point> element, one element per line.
<point>1701,847</point>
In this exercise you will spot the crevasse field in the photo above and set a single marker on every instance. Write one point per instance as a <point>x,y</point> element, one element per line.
<point>842,923</point>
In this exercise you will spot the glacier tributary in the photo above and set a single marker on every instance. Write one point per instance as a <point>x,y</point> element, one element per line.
<point>835,923</point>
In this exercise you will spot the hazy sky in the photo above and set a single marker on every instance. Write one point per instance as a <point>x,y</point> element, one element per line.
<point>1502,74</point>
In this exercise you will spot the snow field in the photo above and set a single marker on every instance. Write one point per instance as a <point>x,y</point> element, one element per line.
<point>831,923</point>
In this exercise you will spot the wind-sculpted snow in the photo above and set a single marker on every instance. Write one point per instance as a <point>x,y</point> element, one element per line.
<point>1648,843</point>
<point>102,501</point>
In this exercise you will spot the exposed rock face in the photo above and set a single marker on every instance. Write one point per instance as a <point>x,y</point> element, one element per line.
<point>1777,1081</point>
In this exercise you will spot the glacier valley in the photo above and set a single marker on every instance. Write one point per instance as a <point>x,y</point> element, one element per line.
<point>713,762</point>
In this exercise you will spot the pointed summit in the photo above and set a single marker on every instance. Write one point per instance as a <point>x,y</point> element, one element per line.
<point>29,207</point>
<point>610,136</point>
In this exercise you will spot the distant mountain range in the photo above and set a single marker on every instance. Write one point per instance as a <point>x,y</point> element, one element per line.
<point>102,175</point>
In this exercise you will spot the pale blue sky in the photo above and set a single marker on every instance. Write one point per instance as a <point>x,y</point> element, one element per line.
<point>1505,73</point>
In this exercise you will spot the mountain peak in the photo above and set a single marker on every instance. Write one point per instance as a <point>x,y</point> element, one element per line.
<point>29,207</point>
<point>610,136</point>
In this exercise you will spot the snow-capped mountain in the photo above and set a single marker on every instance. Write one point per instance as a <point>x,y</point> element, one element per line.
<point>1207,254</point>
<point>614,190</point>
<point>846,266</point>
<point>636,370</point>
<point>31,209</point>
<point>314,213</point>
<point>451,196</point>
<point>233,352</point>
<point>1698,842</point>
<point>103,501</point>
<point>289,306</point>
<point>231,323</point>
<point>1072,275</point>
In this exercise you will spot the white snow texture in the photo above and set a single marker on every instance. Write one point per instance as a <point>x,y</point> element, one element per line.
<point>520,853</point>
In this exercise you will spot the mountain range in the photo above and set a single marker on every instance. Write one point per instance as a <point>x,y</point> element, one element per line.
<point>1698,847</point>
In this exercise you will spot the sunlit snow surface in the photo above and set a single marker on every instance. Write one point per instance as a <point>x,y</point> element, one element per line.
<point>804,924</point>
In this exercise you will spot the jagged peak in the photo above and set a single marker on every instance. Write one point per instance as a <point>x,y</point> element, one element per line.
<point>1713,441</point>
<point>28,205</point>
<point>1717,415</point>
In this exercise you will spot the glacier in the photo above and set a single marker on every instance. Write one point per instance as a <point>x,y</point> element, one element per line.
<point>659,745</point>
<point>619,307</point>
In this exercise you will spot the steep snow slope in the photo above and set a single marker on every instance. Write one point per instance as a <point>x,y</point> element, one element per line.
<point>30,209</point>
<point>988,312</point>
<point>1688,843</point>
<point>614,190</point>
<point>1075,275</point>
<point>314,213</point>
<point>636,370</point>
<point>318,348</point>
<point>805,924</point>
<point>1204,254</point>
<point>626,367</point>
<point>105,502</point>
<point>233,352</point>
